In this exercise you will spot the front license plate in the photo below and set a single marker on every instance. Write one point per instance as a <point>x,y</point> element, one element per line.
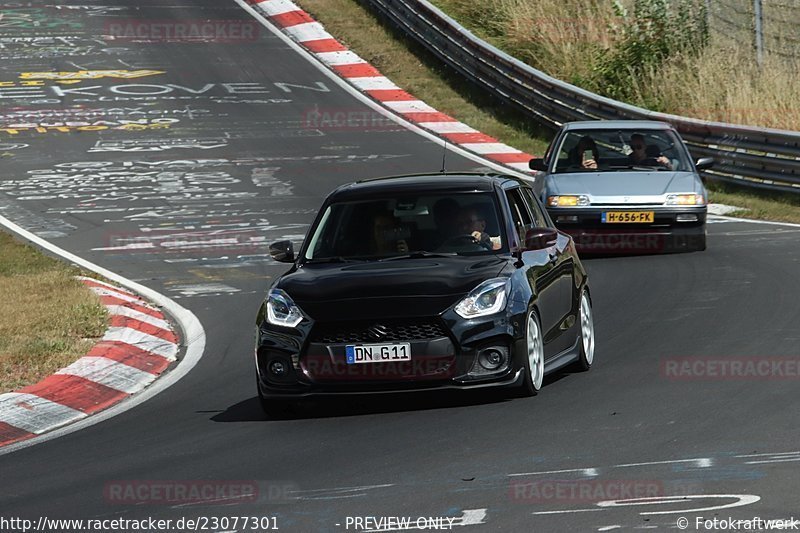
<point>628,217</point>
<point>378,353</point>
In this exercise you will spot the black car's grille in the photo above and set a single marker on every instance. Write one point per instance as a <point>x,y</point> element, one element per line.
<point>376,331</point>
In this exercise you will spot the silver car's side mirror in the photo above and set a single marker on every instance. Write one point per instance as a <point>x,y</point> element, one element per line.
<point>704,163</point>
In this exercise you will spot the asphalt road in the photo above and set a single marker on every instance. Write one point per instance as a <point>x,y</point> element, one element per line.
<point>233,144</point>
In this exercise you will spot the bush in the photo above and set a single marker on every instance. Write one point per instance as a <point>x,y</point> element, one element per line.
<point>656,31</point>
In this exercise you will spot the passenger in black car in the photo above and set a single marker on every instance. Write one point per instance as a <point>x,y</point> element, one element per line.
<point>387,236</point>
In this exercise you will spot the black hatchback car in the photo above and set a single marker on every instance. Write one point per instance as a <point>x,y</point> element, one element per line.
<point>425,282</point>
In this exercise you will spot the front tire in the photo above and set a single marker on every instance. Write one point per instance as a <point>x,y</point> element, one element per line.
<point>701,242</point>
<point>534,356</point>
<point>586,316</point>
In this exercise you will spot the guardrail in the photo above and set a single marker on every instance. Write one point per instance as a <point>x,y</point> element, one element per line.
<point>750,156</point>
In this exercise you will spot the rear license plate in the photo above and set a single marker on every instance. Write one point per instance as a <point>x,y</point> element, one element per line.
<point>378,353</point>
<point>628,217</point>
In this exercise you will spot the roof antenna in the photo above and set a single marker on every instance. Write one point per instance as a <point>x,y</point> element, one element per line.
<point>444,157</point>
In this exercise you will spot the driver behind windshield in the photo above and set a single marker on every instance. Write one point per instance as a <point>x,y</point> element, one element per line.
<point>647,155</point>
<point>472,222</point>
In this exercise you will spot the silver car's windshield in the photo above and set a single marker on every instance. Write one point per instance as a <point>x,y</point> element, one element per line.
<point>620,150</point>
<point>408,226</point>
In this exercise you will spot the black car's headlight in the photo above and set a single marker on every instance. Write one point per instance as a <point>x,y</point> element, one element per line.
<point>281,309</point>
<point>487,298</point>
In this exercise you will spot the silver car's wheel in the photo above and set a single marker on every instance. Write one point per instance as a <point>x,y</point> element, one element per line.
<point>587,332</point>
<point>535,353</point>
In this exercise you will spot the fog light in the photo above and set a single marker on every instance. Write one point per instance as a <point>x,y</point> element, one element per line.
<point>491,359</point>
<point>277,368</point>
<point>686,218</point>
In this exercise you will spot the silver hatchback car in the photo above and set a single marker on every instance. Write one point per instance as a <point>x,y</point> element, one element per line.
<point>625,187</point>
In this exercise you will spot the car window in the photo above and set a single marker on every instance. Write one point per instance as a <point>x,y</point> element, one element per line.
<point>392,225</point>
<point>519,213</point>
<point>539,218</point>
<point>618,150</point>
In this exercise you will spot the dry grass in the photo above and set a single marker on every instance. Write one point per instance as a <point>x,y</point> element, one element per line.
<point>47,318</point>
<point>563,38</point>
<point>724,85</point>
<point>560,38</point>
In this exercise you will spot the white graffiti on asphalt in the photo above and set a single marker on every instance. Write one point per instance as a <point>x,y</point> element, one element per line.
<point>131,91</point>
<point>157,145</point>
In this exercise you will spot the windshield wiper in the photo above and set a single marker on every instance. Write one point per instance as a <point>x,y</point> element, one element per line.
<point>333,259</point>
<point>637,167</point>
<point>420,254</point>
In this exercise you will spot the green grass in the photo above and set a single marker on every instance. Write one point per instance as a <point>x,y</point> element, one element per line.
<point>47,318</point>
<point>758,205</point>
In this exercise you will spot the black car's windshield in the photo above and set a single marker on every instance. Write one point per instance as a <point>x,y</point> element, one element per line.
<point>619,150</point>
<point>410,227</point>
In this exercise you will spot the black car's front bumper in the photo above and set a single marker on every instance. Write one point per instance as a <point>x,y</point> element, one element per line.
<point>446,361</point>
<point>667,233</point>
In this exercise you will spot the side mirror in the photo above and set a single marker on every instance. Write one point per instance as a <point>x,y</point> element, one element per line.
<point>540,238</point>
<point>537,164</point>
<point>282,251</point>
<point>704,163</point>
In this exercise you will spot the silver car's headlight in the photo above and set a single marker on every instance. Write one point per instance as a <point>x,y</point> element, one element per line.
<point>281,310</point>
<point>686,199</point>
<point>487,298</point>
<point>567,200</point>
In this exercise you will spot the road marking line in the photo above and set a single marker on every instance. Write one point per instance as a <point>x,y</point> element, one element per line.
<point>589,472</point>
<point>768,461</point>
<point>565,511</point>
<point>768,454</point>
<point>701,462</point>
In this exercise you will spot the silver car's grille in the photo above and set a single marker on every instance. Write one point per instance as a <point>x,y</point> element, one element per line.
<point>628,206</point>
<point>376,331</point>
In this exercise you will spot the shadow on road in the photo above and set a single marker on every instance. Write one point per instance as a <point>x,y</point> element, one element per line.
<point>370,404</point>
<point>327,407</point>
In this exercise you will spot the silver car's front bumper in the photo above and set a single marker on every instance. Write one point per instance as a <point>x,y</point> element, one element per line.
<point>673,229</point>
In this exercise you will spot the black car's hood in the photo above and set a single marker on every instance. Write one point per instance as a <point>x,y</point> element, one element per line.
<point>400,288</point>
